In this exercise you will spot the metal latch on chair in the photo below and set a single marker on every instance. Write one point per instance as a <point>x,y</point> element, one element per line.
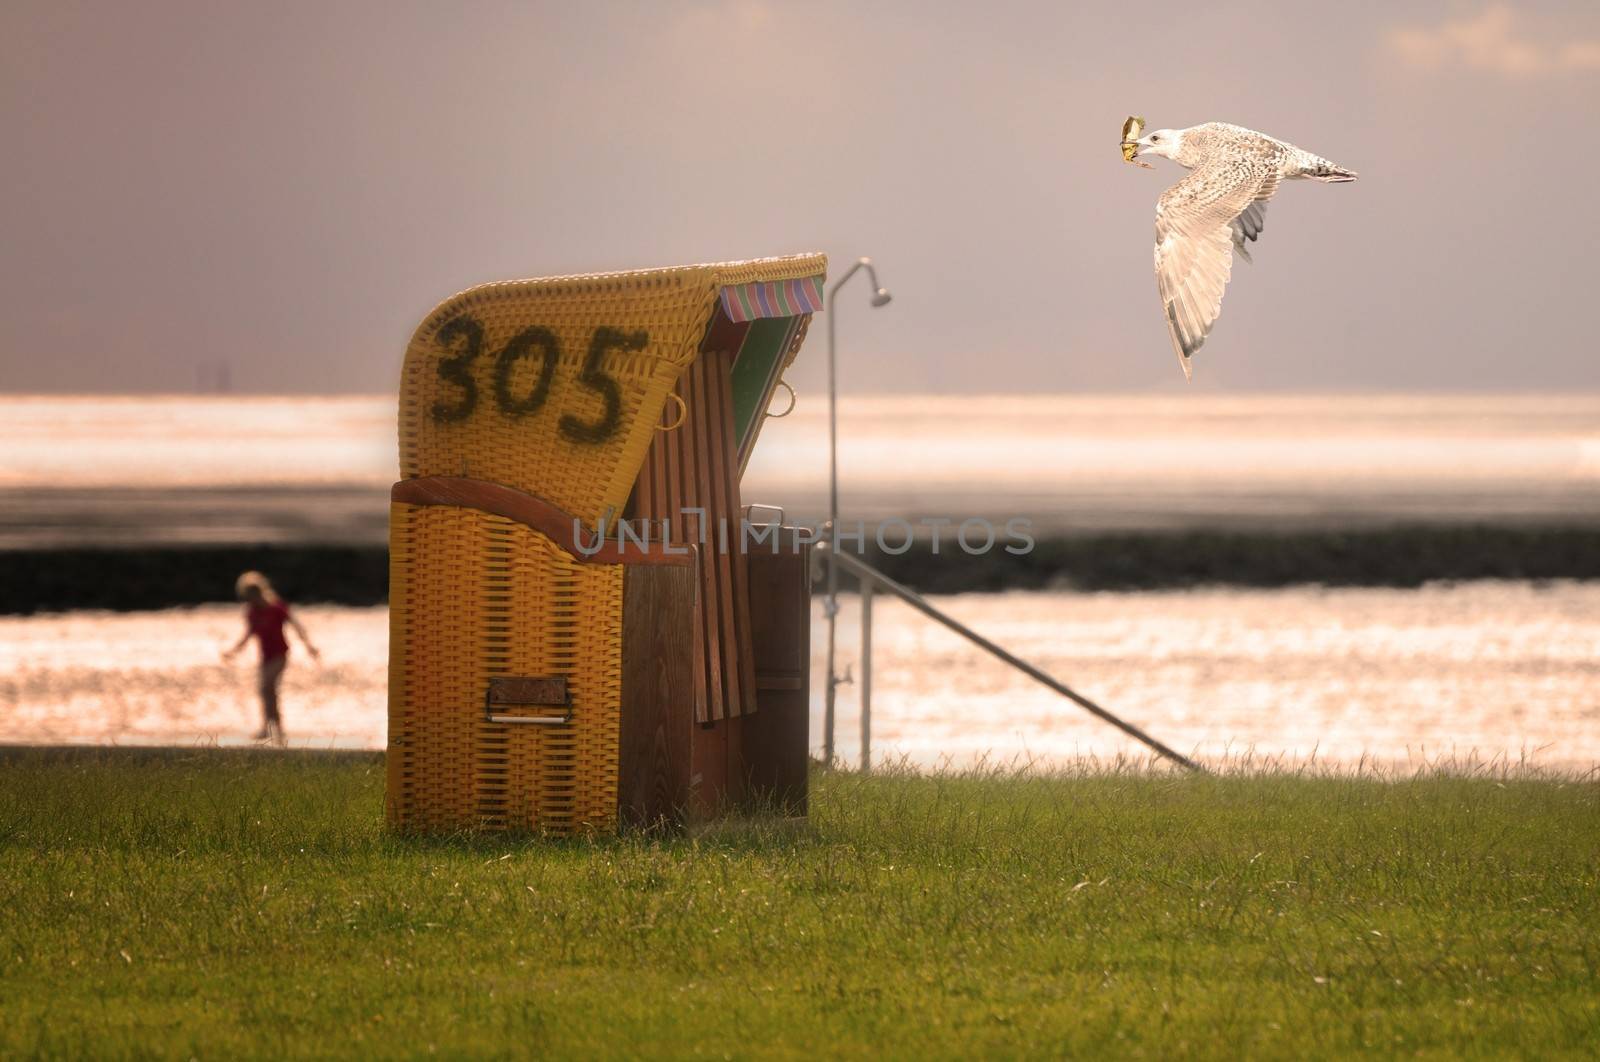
<point>516,691</point>
<point>750,511</point>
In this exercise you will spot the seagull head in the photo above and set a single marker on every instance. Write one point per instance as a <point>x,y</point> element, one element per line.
<point>1163,142</point>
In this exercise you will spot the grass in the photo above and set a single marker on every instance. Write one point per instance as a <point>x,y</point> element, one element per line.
<point>214,903</point>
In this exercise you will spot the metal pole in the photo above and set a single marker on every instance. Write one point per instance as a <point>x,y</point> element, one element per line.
<point>866,676</point>
<point>867,572</point>
<point>830,606</point>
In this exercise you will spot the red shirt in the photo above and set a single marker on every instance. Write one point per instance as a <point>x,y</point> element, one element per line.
<point>266,623</point>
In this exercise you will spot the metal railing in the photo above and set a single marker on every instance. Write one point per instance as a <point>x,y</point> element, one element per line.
<point>872,580</point>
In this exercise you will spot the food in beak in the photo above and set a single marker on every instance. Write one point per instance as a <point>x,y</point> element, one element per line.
<point>1130,133</point>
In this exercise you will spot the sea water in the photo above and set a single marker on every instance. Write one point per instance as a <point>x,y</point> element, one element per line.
<point>1486,669</point>
<point>1481,671</point>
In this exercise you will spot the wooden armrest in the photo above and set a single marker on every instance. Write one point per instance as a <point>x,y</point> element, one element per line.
<point>558,526</point>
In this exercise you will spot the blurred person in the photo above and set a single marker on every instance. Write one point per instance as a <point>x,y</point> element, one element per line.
<point>265,614</point>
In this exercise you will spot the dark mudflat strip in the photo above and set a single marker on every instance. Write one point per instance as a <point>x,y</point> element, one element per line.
<point>1396,556</point>
<point>52,580</point>
<point>163,577</point>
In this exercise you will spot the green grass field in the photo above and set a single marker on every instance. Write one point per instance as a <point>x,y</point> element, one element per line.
<point>217,903</point>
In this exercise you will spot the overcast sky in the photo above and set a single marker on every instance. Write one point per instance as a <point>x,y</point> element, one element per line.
<point>290,187</point>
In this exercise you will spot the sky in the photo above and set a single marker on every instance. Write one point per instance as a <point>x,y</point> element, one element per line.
<point>288,188</point>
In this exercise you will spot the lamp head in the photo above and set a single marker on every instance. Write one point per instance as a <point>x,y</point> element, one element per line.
<point>880,294</point>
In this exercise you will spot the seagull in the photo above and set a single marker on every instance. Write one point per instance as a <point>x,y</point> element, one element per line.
<point>1217,209</point>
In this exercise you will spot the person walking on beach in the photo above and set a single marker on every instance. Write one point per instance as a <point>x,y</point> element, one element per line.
<point>265,615</point>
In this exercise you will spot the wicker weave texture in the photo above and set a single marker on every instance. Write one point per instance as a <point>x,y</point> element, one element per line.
<point>555,386</point>
<point>474,595</point>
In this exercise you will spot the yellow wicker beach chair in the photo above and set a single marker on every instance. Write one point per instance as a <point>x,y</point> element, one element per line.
<point>544,675</point>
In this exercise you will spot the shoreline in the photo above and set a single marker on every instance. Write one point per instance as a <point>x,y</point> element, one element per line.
<point>147,577</point>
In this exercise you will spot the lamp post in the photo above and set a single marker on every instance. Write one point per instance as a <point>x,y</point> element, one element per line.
<point>880,296</point>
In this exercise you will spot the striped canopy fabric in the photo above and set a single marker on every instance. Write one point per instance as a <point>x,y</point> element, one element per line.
<point>781,298</point>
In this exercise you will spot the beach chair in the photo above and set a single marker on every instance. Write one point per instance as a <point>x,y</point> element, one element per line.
<point>553,665</point>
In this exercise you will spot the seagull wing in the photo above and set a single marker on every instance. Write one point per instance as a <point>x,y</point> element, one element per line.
<point>1199,221</point>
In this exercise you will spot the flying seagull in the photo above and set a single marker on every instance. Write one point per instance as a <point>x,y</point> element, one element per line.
<point>1221,205</point>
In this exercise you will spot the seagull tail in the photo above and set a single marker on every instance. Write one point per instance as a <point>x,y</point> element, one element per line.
<point>1315,167</point>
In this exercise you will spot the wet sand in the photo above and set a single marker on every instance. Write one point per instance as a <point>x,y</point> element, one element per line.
<point>136,471</point>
